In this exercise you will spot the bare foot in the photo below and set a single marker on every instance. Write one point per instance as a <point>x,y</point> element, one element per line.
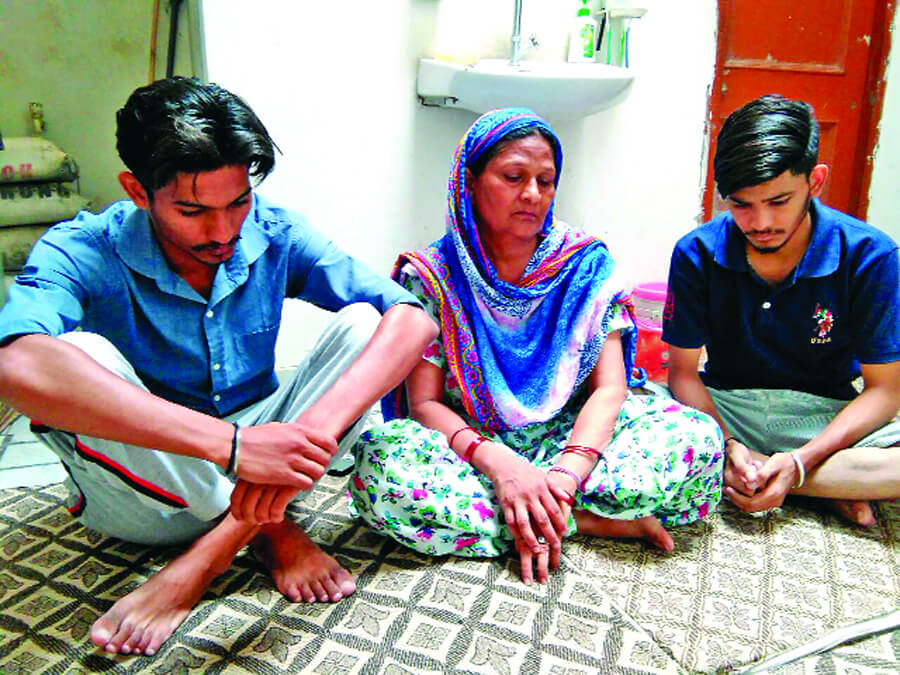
<point>648,529</point>
<point>145,618</point>
<point>857,512</point>
<point>301,570</point>
<point>141,621</point>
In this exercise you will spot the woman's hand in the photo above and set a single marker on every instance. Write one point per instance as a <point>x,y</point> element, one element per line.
<point>563,488</point>
<point>530,509</point>
<point>540,562</point>
<point>547,557</point>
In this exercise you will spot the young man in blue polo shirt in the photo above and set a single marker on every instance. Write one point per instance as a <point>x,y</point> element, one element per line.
<point>141,343</point>
<point>793,301</point>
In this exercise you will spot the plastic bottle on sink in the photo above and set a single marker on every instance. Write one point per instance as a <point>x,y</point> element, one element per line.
<point>582,36</point>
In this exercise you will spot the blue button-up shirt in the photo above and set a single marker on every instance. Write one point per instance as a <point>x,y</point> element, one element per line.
<point>106,274</point>
<point>840,306</point>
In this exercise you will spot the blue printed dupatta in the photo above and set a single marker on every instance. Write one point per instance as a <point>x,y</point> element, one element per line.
<point>518,351</point>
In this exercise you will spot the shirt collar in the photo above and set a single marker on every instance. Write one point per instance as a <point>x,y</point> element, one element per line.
<point>137,246</point>
<point>820,259</point>
<point>823,256</point>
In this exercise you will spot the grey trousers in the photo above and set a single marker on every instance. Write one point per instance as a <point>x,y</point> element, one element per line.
<point>781,420</point>
<point>153,497</point>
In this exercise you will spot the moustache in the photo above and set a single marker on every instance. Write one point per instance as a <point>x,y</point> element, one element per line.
<point>209,246</point>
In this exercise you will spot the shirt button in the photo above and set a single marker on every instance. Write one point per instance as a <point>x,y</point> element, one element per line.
<point>216,366</point>
<point>767,305</point>
<point>217,398</point>
<point>209,314</point>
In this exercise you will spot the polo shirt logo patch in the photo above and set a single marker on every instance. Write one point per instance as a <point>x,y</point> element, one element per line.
<point>824,323</point>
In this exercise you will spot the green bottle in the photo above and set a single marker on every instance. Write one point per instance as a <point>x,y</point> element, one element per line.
<point>582,36</point>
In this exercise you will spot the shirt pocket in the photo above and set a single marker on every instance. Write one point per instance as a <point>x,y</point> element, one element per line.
<point>257,347</point>
<point>253,334</point>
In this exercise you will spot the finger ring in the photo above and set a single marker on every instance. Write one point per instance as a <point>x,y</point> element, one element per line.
<point>541,541</point>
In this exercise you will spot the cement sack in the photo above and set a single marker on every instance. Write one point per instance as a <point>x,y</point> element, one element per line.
<point>26,203</point>
<point>35,159</point>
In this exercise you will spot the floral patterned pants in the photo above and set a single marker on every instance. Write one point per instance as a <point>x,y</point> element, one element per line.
<point>664,460</point>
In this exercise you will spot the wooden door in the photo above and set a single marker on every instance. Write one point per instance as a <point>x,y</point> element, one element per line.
<point>830,53</point>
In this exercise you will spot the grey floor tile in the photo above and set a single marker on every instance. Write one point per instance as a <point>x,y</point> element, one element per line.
<point>19,429</point>
<point>25,453</point>
<point>32,476</point>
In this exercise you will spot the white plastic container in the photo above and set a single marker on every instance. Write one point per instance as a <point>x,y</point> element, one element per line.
<point>582,36</point>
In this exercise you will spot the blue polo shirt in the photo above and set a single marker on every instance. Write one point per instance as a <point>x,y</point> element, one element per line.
<point>839,307</point>
<point>106,274</point>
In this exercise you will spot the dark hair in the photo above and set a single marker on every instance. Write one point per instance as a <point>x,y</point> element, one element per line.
<point>762,140</point>
<point>182,125</point>
<point>477,166</point>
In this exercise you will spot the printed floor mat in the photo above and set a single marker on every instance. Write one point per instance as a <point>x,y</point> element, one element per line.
<point>737,589</point>
<point>410,614</point>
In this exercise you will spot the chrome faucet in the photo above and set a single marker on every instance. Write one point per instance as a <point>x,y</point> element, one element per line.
<point>516,52</point>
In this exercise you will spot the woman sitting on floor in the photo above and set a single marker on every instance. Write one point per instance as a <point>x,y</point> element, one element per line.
<point>523,429</point>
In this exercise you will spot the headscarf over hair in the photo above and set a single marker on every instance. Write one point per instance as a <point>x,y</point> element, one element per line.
<point>518,351</point>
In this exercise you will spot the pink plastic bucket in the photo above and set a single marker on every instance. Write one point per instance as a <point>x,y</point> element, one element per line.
<point>652,353</point>
<point>649,302</point>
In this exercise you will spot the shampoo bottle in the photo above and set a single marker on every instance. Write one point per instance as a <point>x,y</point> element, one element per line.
<point>582,36</point>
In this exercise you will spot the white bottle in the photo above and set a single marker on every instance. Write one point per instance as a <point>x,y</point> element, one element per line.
<point>582,36</point>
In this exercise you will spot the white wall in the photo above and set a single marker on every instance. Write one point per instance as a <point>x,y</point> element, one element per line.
<point>368,164</point>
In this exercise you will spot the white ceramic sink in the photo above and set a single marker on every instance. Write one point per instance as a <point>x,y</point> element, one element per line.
<point>556,90</point>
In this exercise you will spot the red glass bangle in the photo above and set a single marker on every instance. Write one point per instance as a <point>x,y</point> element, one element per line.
<point>453,435</point>
<point>594,452</point>
<point>580,453</point>
<point>472,447</point>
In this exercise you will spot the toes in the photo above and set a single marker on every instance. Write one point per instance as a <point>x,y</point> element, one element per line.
<point>120,638</point>
<point>144,644</point>
<point>307,593</point>
<point>332,589</point>
<point>134,642</point>
<point>857,512</point>
<point>862,513</point>
<point>319,590</point>
<point>345,582</point>
<point>293,593</point>
<point>156,642</point>
<point>103,630</point>
<point>656,534</point>
<point>666,542</point>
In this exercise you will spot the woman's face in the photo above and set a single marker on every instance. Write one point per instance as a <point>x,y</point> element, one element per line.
<point>513,193</point>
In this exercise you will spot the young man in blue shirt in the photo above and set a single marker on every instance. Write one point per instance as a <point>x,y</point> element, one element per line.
<point>793,301</point>
<point>141,343</point>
